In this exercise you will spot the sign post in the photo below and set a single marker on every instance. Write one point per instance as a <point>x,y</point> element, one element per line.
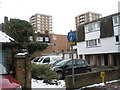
<point>71,39</point>
<point>102,75</point>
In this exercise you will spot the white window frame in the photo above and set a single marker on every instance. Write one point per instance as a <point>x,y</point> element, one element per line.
<point>39,39</point>
<point>46,39</point>
<point>116,23</point>
<point>93,43</point>
<point>95,26</point>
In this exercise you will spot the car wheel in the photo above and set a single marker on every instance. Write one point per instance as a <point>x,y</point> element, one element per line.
<point>60,75</point>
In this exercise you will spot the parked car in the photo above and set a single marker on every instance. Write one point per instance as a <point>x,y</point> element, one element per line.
<point>34,60</point>
<point>64,67</point>
<point>48,59</point>
<point>54,62</point>
<point>7,81</point>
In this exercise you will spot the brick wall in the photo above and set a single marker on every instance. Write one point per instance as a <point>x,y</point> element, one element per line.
<point>23,70</point>
<point>91,78</point>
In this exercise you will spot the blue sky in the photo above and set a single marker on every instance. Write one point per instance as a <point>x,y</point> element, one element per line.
<point>63,11</point>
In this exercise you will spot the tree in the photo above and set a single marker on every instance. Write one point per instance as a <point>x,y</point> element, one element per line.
<point>20,30</point>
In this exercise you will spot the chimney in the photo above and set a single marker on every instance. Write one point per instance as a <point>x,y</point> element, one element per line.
<point>6,27</point>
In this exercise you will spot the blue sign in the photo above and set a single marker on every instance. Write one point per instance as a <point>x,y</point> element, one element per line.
<point>71,36</point>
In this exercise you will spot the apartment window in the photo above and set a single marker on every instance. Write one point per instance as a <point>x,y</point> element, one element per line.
<point>93,43</point>
<point>39,39</point>
<point>46,39</point>
<point>54,38</point>
<point>92,27</point>
<point>117,39</point>
<point>116,20</point>
<point>54,45</point>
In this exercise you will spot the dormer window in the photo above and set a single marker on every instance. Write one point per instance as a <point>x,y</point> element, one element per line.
<point>116,20</point>
<point>92,27</point>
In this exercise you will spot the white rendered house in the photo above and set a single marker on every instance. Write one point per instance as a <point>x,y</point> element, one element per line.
<point>99,41</point>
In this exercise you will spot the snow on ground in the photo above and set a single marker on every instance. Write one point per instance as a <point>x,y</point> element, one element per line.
<point>39,84</point>
<point>61,84</point>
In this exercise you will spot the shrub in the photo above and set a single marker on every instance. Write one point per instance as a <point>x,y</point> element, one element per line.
<point>42,71</point>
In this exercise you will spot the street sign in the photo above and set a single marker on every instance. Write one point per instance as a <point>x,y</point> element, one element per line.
<point>71,36</point>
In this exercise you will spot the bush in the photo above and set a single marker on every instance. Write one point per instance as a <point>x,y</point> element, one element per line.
<point>42,71</point>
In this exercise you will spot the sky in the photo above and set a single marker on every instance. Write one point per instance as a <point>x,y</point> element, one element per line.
<point>62,11</point>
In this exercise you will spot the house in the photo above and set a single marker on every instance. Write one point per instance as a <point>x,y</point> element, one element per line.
<point>99,41</point>
<point>4,38</point>
<point>57,44</point>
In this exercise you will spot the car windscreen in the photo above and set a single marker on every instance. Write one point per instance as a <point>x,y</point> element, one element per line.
<point>3,70</point>
<point>36,59</point>
<point>61,63</point>
<point>40,59</point>
<point>52,62</point>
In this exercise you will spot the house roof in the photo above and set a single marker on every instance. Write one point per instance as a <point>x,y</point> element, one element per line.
<point>5,38</point>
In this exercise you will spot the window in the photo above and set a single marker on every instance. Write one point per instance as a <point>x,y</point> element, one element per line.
<point>69,63</point>
<point>117,39</point>
<point>54,38</point>
<point>80,62</point>
<point>54,45</point>
<point>92,27</point>
<point>46,60</point>
<point>46,39</point>
<point>116,20</point>
<point>93,43</point>
<point>39,39</point>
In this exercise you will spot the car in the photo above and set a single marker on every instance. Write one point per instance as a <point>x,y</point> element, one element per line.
<point>54,62</point>
<point>48,59</point>
<point>64,67</point>
<point>34,60</point>
<point>7,81</point>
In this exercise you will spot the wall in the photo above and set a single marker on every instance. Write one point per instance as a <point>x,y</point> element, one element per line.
<point>23,71</point>
<point>91,78</point>
<point>108,45</point>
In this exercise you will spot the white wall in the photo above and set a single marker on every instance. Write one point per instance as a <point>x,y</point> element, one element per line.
<point>108,45</point>
<point>92,35</point>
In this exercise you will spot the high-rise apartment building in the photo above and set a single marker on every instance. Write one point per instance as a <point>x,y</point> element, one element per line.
<point>86,17</point>
<point>41,23</point>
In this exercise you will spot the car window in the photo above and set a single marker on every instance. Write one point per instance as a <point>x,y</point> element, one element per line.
<point>80,62</point>
<point>36,59</point>
<point>52,62</point>
<point>61,63</point>
<point>46,60</point>
<point>3,70</point>
<point>69,63</point>
<point>40,59</point>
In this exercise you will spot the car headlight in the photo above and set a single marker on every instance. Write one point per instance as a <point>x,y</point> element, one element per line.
<point>18,88</point>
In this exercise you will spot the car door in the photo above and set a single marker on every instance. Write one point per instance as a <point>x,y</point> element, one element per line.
<point>79,66</point>
<point>68,67</point>
<point>46,60</point>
